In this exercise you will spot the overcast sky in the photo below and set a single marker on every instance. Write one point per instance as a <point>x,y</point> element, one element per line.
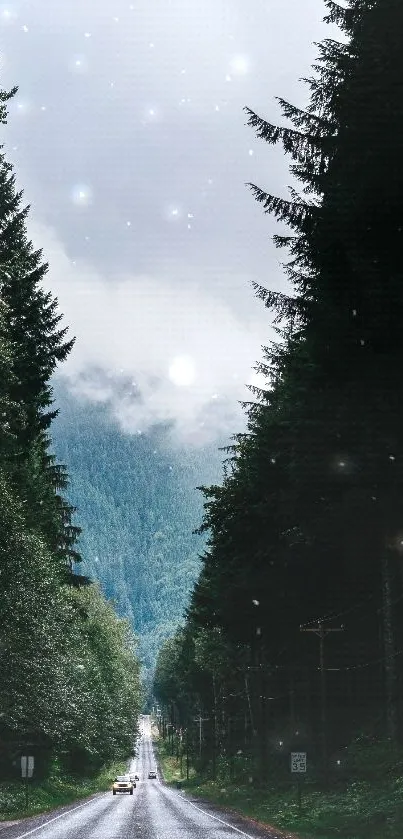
<point>129,139</point>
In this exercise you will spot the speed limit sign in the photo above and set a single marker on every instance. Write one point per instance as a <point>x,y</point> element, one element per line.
<point>298,762</point>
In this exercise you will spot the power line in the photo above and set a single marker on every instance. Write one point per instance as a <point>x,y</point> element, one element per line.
<point>332,616</point>
<point>356,606</point>
<point>369,663</point>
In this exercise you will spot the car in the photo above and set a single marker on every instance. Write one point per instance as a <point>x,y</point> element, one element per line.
<point>122,783</point>
<point>133,779</point>
<point>152,774</point>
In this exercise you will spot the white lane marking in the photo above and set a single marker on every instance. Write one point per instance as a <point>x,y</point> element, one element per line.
<point>226,824</point>
<point>205,813</point>
<point>55,819</point>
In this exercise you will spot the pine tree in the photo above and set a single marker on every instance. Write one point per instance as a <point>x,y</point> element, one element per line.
<point>332,413</point>
<point>346,264</point>
<point>37,344</point>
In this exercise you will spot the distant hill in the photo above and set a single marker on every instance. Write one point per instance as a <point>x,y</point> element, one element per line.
<point>137,504</point>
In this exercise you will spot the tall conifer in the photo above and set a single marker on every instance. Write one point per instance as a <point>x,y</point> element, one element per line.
<point>37,343</point>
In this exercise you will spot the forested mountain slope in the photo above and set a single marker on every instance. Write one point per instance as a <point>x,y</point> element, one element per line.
<point>137,505</point>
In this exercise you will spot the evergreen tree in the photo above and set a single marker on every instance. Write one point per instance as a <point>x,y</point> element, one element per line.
<point>37,344</point>
<point>70,676</point>
<point>308,521</point>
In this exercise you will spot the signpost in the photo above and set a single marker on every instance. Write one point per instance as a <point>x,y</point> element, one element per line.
<point>27,772</point>
<point>298,767</point>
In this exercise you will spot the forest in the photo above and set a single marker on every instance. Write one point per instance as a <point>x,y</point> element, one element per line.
<point>70,689</point>
<point>293,639</point>
<point>138,506</point>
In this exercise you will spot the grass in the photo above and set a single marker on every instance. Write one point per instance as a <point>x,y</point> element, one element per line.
<point>57,791</point>
<point>368,806</point>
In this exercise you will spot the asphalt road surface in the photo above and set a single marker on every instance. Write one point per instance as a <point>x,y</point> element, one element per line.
<point>154,811</point>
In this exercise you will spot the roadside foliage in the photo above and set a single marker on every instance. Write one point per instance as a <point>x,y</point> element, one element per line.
<point>70,684</point>
<point>306,530</point>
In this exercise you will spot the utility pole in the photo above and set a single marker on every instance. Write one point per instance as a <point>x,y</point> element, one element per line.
<point>230,748</point>
<point>322,632</point>
<point>187,750</point>
<point>214,730</point>
<point>252,724</point>
<point>292,700</point>
<point>390,668</point>
<point>200,720</point>
<point>172,728</point>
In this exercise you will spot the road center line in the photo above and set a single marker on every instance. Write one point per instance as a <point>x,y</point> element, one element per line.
<point>226,824</point>
<point>55,819</point>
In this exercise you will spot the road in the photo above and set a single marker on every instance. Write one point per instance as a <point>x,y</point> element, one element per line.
<point>154,811</point>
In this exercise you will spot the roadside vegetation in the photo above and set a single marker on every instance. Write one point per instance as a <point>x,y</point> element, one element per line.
<point>293,641</point>
<point>58,790</point>
<point>366,804</point>
<point>70,688</point>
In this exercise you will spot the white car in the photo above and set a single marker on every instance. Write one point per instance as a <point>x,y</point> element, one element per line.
<point>122,784</point>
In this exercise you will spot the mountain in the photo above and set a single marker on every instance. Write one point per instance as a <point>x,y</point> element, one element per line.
<point>137,505</point>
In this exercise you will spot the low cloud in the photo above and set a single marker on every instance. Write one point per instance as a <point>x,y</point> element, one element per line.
<point>133,331</point>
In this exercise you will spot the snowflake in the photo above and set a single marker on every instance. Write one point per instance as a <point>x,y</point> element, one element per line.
<point>81,195</point>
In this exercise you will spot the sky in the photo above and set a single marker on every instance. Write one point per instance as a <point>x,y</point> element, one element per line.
<point>129,139</point>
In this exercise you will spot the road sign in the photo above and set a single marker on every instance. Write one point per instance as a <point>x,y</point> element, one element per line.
<point>298,761</point>
<point>27,766</point>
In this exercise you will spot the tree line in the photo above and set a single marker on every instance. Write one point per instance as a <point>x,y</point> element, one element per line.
<point>69,673</point>
<point>305,534</point>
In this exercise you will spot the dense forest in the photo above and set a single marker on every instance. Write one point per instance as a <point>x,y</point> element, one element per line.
<point>70,684</point>
<point>294,635</point>
<point>138,507</point>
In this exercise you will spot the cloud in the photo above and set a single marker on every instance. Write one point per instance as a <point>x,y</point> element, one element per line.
<point>134,331</point>
<point>129,139</point>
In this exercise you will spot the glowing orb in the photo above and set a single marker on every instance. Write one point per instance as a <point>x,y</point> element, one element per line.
<point>182,371</point>
<point>8,14</point>
<point>78,64</point>
<point>152,113</point>
<point>239,65</point>
<point>81,195</point>
<point>23,107</point>
<point>173,212</point>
